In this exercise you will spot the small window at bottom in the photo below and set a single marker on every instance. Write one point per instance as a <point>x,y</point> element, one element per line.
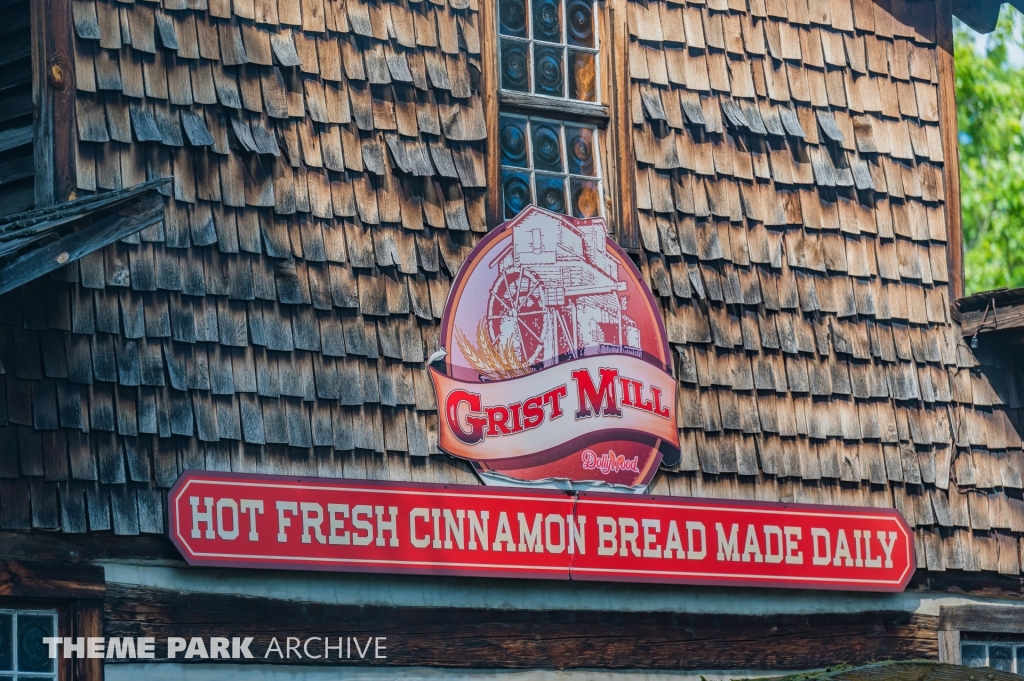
<point>1002,655</point>
<point>553,164</point>
<point>23,655</point>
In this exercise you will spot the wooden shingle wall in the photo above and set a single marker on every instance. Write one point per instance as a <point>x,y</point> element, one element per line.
<point>328,168</point>
<point>790,188</point>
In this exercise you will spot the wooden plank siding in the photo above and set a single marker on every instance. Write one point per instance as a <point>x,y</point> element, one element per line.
<point>468,638</point>
<point>17,168</point>
<point>53,580</point>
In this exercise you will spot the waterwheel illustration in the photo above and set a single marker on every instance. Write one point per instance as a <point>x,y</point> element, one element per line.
<point>556,293</point>
<point>518,314</point>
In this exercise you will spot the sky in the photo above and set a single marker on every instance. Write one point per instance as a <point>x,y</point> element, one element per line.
<point>1014,54</point>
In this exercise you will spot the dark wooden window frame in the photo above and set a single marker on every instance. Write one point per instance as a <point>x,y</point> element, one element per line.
<point>75,592</point>
<point>64,610</point>
<point>611,117</point>
<point>975,619</point>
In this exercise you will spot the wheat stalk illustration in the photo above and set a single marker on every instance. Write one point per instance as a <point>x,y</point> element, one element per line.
<point>494,361</point>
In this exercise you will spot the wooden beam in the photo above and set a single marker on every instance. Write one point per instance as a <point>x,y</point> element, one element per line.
<point>949,647</point>
<point>60,77</point>
<point>1000,319</point>
<point>82,548</point>
<point>982,619</point>
<point>621,130</point>
<point>961,582</point>
<point>89,623</point>
<point>42,99</point>
<point>981,15</point>
<point>474,638</point>
<point>949,131</point>
<point>489,79</point>
<point>91,204</point>
<point>141,213</point>
<point>558,107</point>
<point>50,580</point>
<point>15,137</point>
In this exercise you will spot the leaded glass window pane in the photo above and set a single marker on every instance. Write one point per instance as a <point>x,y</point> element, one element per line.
<point>547,67</point>
<point>973,655</point>
<point>515,65</point>
<point>581,23</point>
<point>512,18</point>
<point>551,163</point>
<point>1007,656</point>
<point>582,76</point>
<point>547,146</point>
<point>32,652</point>
<point>23,655</point>
<point>516,191</point>
<point>1000,657</point>
<point>547,20</point>
<point>551,192</point>
<point>6,641</point>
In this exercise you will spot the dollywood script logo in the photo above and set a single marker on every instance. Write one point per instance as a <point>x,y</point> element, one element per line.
<point>557,368</point>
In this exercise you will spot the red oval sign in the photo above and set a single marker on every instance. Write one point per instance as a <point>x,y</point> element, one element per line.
<point>558,367</point>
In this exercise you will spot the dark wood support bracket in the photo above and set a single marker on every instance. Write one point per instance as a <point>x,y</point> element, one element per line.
<point>53,96</point>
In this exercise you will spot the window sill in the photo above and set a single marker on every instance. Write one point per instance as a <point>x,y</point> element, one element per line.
<point>557,106</point>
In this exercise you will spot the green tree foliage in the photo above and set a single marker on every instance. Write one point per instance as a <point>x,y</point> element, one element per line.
<point>990,103</point>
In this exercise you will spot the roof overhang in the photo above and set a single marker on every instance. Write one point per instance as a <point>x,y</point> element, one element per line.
<point>981,15</point>
<point>998,312</point>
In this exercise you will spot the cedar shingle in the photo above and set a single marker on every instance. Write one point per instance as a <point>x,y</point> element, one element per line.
<point>744,158</point>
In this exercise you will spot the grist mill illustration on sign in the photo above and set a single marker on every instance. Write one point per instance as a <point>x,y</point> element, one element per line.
<point>558,368</point>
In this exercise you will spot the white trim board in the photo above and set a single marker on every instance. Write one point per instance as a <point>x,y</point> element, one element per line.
<point>525,594</point>
<point>272,672</point>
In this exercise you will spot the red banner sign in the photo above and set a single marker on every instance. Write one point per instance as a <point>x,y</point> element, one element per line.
<point>259,521</point>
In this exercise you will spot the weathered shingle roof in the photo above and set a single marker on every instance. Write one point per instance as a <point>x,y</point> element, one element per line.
<point>328,171</point>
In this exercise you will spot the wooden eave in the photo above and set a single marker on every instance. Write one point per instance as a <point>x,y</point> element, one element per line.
<point>991,311</point>
<point>982,15</point>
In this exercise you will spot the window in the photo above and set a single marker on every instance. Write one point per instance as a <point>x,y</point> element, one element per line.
<point>550,163</point>
<point>23,655</point>
<point>553,119</point>
<point>1005,656</point>
<point>549,50</point>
